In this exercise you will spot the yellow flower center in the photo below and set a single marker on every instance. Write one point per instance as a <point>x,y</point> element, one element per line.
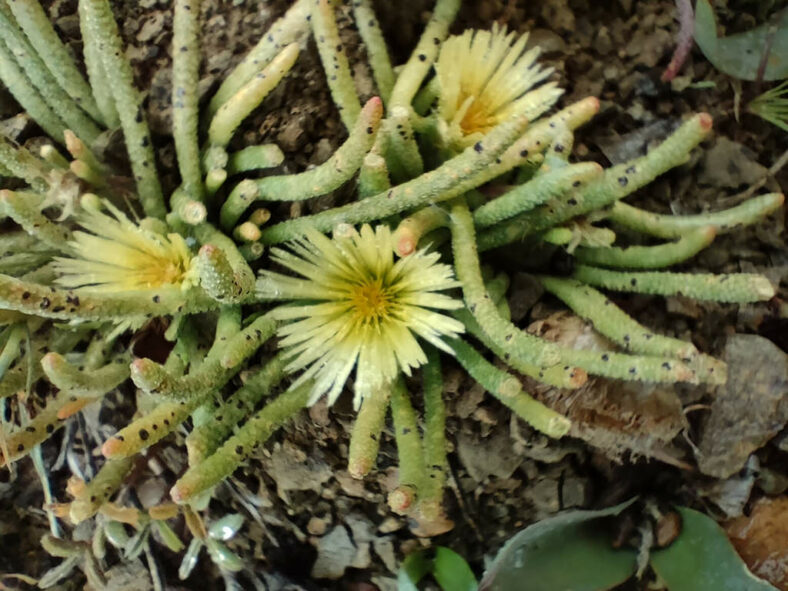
<point>370,301</point>
<point>477,118</point>
<point>171,273</point>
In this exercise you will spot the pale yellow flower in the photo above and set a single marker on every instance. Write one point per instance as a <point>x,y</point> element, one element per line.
<point>356,306</point>
<point>115,254</point>
<point>486,77</point>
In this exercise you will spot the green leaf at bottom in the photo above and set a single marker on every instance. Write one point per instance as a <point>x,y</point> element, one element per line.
<point>703,559</point>
<point>569,552</point>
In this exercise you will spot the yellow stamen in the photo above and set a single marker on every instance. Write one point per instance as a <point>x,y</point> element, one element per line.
<point>356,306</point>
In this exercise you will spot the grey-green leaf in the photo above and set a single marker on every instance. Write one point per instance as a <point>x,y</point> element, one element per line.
<point>570,551</point>
<point>703,559</point>
<point>116,534</point>
<point>189,560</point>
<point>136,544</point>
<point>55,574</point>
<point>226,527</point>
<point>449,569</point>
<point>413,569</point>
<point>169,537</point>
<point>452,572</point>
<point>740,55</point>
<point>223,557</point>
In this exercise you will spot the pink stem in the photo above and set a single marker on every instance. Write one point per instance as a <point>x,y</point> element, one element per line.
<point>683,40</point>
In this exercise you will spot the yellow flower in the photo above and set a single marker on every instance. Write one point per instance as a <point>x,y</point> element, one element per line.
<point>484,78</point>
<point>358,307</point>
<point>115,254</point>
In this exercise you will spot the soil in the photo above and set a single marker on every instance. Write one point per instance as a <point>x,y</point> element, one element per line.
<point>308,525</point>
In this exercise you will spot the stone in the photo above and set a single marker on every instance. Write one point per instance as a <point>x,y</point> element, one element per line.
<point>335,552</point>
<point>750,409</point>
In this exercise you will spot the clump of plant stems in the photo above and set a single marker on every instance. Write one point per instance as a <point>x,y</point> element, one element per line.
<point>392,281</point>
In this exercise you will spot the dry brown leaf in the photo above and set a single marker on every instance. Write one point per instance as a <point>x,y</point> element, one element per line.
<point>762,540</point>
<point>569,330</point>
<point>619,417</point>
<point>612,415</point>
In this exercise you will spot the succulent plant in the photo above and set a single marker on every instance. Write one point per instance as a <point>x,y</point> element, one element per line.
<point>93,260</point>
